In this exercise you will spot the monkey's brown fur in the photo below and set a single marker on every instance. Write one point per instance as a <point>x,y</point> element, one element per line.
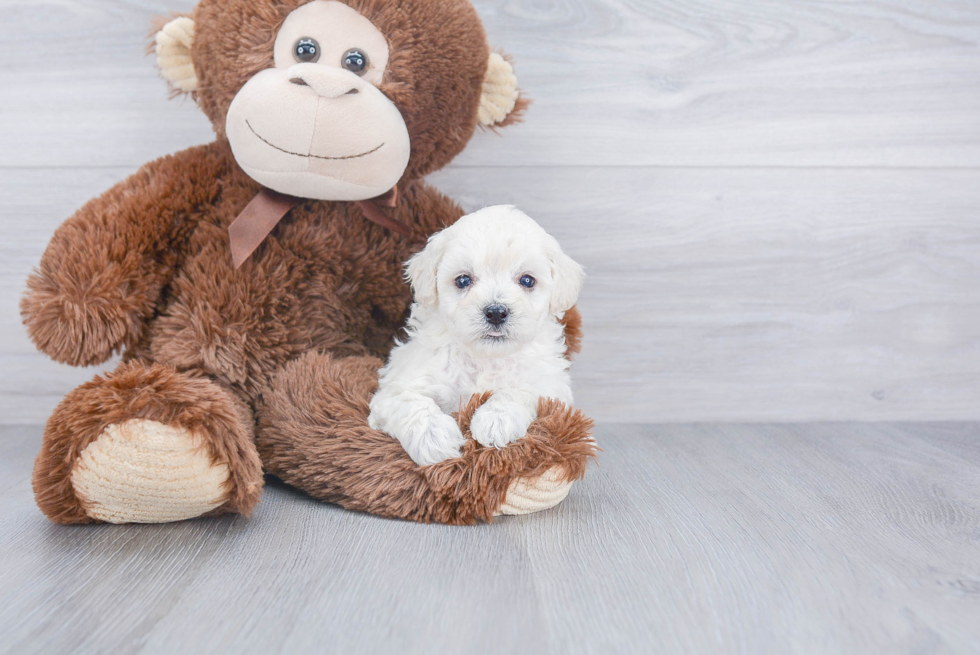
<point>159,393</point>
<point>282,353</point>
<point>314,436</point>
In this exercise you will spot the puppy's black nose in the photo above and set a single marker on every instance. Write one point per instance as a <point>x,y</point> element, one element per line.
<point>496,314</point>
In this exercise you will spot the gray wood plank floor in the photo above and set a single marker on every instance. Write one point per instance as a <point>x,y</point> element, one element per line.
<point>709,538</point>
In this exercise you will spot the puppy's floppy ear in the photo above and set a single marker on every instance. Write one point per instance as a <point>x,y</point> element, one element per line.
<point>421,270</point>
<point>567,276</point>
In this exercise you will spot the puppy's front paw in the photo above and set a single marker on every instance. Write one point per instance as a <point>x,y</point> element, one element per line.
<point>496,425</point>
<point>437,439</point>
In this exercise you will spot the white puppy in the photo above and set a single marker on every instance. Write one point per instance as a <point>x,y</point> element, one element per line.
<point>489,291</point>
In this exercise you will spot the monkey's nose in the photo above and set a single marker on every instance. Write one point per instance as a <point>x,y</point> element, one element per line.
<point>299,81</point>
<point>326,81</point>
<point>496,315</point>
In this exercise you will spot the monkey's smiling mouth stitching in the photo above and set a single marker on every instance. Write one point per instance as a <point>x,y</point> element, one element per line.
<point>296,154</point>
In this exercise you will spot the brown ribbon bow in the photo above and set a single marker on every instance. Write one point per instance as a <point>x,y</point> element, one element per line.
<point>268,207</point>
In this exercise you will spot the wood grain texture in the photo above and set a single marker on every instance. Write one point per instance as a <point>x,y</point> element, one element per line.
<point>673,82</point>
<point>713,294</point>
<point>835,538</point>
<point>735,294</point>
<point>776,201</point>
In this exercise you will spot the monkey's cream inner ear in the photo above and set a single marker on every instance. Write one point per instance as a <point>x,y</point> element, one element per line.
<point>173,49</point>
<point>499,91</point>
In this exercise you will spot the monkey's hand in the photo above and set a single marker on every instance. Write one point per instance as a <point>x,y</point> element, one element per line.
<point>80,319</point>
<point>101,276</point>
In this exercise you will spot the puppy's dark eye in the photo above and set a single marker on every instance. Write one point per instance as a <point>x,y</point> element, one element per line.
<point>306,50</point>
<point>355,61</point>
<point>527,281</point>
<point>463,281</point>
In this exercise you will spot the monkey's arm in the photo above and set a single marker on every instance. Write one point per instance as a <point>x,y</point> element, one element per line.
<point>102,273</point>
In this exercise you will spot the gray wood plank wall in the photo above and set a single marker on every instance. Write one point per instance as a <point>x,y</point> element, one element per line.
<point>776,201</point>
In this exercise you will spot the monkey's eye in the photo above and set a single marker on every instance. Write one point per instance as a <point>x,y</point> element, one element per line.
<point>463,281</point>
<point>306,50</point>
<point>355,61</point>
<point>527,281</point>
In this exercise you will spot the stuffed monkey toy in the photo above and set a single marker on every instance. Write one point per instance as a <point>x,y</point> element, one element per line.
<point>254,285</point>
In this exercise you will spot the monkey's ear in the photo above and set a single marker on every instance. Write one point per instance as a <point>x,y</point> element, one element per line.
<point>501,102</point>
<point>173,48</point>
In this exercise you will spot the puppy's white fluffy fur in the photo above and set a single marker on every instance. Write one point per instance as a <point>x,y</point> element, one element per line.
<point>454,348</point>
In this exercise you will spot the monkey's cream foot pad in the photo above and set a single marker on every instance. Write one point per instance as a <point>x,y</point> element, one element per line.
<point>142,471</point>
<point>528,495</point>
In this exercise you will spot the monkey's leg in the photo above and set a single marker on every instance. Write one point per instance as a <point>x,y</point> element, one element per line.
<point>313,434</point>
<point>147,444</point>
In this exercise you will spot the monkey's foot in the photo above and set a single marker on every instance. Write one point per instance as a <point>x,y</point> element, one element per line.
<point>142,471</point>
<point>528,495</point>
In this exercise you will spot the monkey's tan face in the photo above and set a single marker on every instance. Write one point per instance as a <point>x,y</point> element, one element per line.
<point>316,125</point>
